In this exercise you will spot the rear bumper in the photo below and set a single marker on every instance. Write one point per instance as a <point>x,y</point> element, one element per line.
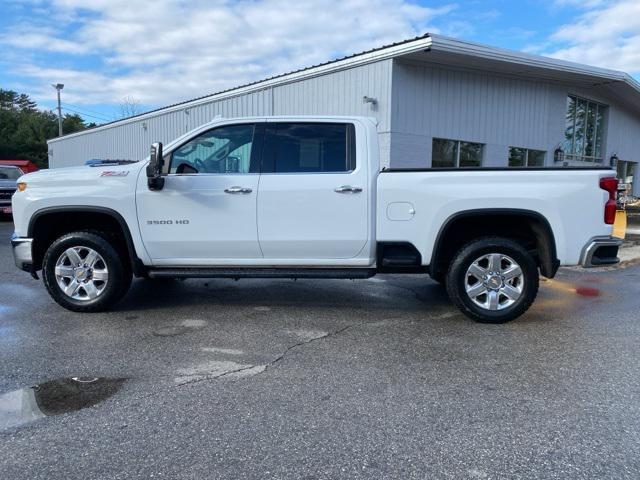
<point>22,252</point>
<point>600,251</point>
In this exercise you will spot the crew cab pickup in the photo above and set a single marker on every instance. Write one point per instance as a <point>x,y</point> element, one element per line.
<point>305,197</point>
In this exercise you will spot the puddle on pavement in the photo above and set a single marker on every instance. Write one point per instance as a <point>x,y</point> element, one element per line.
<point>54,397</point>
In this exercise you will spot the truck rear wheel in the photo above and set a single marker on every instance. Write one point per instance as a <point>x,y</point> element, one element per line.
<point>84,272</point>
<point>493,280</point>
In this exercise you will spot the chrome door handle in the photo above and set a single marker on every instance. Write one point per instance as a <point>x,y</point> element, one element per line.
<point>242,190</point>
<point>347,189</point>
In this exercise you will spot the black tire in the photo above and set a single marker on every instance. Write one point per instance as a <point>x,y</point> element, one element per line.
<point>457,279</point>
<point>119,271</point>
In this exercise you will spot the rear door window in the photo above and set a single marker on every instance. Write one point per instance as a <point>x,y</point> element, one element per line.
<point>309,148</point>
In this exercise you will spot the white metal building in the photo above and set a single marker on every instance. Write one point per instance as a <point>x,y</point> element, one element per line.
<point>439,102</point>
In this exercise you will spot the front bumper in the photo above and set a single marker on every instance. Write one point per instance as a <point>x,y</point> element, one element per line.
<point>600,251</point>
<point>22,252</point>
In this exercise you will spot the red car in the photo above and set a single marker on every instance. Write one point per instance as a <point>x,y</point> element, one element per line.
<point>27,166</point>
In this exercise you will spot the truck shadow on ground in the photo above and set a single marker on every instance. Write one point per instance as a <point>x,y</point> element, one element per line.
<point>381,297</point>
<point>397,295</point>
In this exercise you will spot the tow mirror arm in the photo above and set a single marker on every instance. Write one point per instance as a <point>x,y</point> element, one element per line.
<point>155,180</point>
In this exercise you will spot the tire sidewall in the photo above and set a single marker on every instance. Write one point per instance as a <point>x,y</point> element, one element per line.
<point>114,264</point>
<point>457,279</point>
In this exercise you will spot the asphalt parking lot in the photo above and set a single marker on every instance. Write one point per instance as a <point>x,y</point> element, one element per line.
<point>379,378</point>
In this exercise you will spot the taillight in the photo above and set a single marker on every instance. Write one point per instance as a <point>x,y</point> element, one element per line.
<point>610,184</point>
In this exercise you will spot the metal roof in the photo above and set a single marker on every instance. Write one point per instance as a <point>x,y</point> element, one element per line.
<point>434,49</point>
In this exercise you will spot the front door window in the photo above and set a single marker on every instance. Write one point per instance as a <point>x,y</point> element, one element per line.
<point>221,150</point>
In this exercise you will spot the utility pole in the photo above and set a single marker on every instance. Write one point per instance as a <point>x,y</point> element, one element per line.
<point>58,87</point>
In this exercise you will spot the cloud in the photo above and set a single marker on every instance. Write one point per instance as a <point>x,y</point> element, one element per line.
<point>607,34</point>
<point>170,50</point>
<point>27,37</point>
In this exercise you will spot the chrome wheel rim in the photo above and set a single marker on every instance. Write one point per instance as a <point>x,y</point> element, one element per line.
<point>81,273</point>
<point>494,281</point>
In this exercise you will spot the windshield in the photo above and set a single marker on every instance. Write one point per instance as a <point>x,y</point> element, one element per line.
<point>10,173</point>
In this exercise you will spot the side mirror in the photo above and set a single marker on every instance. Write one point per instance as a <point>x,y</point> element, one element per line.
<point>155,180</point>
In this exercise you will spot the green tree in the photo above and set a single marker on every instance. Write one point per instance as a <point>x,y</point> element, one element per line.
<point>24,130</point>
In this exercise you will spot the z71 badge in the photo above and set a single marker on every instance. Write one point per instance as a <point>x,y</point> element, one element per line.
<point>114,173</point>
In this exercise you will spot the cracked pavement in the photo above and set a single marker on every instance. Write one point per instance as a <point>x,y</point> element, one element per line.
<point>318,379</point>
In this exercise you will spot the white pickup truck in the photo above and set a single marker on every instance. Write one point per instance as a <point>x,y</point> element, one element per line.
<point>304,197</point>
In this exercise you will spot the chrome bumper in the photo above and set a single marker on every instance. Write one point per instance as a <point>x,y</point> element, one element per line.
<point>22,252</point>
<point>600,251</point>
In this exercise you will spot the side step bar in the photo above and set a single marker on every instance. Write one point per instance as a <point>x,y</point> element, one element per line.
<point>236,273</point>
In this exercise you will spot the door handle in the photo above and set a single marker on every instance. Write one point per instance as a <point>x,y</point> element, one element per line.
<point>236,190</point>
<point>347,189</point>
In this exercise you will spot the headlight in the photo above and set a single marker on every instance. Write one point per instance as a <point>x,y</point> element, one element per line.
<point>22,186</point>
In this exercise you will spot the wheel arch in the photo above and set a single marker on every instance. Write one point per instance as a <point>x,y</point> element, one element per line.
<point>86,217</point>
<point>539,230</point>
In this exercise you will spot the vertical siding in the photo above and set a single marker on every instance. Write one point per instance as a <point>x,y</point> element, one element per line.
<point>337,93</point>
<point>499,112</point>
<point>623,134</point>
<point>623,139</point>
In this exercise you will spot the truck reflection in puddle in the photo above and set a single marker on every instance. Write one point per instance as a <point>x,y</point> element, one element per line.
<point>54,397</point>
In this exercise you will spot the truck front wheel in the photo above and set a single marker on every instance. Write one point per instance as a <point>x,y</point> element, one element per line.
<point>493,280</point>
<point>84,272</point>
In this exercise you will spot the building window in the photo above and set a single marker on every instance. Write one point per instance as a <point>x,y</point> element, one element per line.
<point>454,154</point>
<point>584,130</point>
<point>524,157</point>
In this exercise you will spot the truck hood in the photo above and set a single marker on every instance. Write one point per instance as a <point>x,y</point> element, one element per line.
<point>84,175</point>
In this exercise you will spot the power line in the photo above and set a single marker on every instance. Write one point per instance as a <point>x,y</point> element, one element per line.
<point>86,114</point>
<point>85,109</point>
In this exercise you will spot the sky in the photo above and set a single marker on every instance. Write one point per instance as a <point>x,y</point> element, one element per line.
<point>147,54</point>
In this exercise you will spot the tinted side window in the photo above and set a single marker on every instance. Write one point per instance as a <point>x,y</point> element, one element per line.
<point>310,148</point>
<point>221,150</point>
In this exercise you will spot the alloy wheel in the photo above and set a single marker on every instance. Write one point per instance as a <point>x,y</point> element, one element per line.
<point>494,281</point>
<point>81,273</point>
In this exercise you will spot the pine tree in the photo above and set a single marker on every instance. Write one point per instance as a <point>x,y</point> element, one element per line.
<point>24,130</point>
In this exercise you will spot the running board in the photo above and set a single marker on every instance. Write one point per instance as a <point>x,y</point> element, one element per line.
<point>236,273</point>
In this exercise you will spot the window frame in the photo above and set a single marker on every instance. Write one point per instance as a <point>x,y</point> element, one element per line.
<point>526,157</point>
<point>458,150</point>
<point>600,114</point>
<point>255,161</point>
<point>268,161</point>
